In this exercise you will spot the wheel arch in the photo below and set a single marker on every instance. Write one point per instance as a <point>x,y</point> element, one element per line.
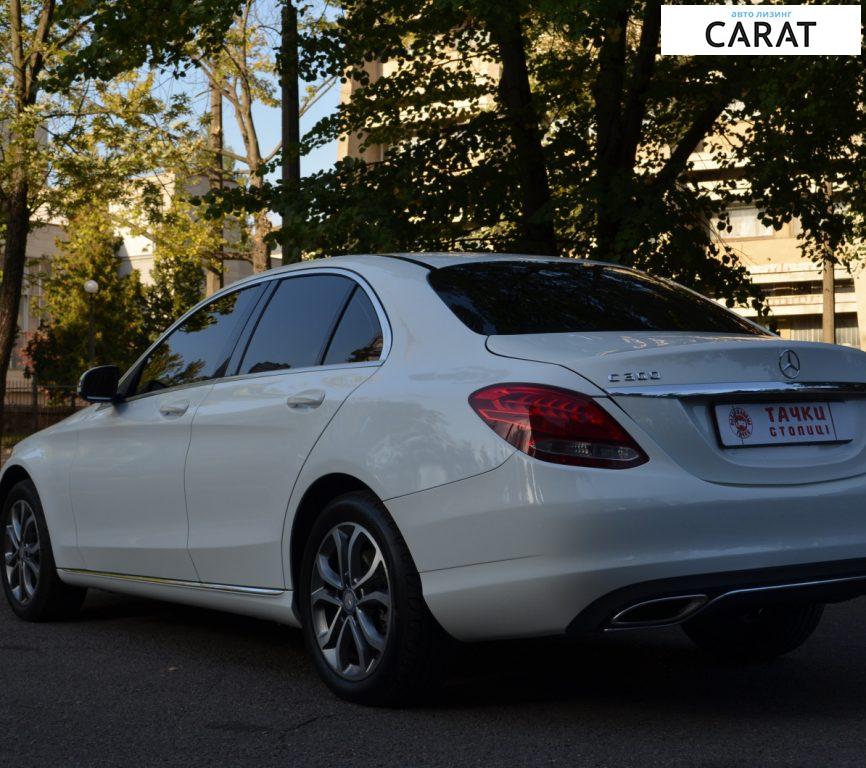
<point>12,475</point>
<point>320,493</point>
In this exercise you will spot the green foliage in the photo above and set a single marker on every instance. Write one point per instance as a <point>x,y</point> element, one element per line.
<point>127,34</point>
<point>81,122</point>
<point>58,353</point>
<point>127,314</point>
<point>183,245</point>
<point>619,126</point>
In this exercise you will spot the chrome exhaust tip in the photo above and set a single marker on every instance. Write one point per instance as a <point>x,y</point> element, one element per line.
<point>660,612</point>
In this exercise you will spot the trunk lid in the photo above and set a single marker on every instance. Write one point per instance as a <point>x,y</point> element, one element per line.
<point>671,383</point>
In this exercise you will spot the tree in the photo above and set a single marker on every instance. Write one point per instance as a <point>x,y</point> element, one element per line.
<point>239,68</point>
<point>64,143</point>
<point>288,68</point>
<point>504,121</point>
<point>246,72</point>
<point>179,35</point>
<point>58,352</point>
<point>32,33</point>
<point>184,245</point>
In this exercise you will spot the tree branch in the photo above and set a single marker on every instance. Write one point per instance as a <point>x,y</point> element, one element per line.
<point>16,28</point>
<point>700,127</point>
<point>37,54</point>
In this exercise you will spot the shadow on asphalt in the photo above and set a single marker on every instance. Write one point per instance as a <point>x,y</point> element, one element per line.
<point>630,673</point>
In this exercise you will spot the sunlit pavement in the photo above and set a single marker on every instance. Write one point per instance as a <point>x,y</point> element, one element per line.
<point>135,682</point>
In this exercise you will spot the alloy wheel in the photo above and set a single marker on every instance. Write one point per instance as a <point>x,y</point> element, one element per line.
<point>350,601</point>
<point>22,552</point>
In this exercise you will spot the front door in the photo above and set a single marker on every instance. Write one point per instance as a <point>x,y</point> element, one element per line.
<point>127,477</point>
<point>317,340</point>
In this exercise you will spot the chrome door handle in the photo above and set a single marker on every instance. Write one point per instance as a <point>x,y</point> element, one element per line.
<point>173,410</point>
<point>309,398</point>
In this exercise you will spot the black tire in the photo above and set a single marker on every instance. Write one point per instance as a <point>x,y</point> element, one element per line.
<point>415,647</point>
<point>759,634</point>
<point>51,599</point>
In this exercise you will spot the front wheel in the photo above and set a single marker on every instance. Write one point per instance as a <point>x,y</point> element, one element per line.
<point>759,634</point>
<point>30,581</point>
<point>366,624</point>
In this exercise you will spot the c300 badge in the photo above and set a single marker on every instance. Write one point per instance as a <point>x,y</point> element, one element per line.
<point>614,378</point>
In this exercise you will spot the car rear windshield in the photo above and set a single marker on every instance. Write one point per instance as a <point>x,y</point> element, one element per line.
<point>515,297</point>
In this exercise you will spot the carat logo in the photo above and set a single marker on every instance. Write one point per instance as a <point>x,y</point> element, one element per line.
<point>760,30</point>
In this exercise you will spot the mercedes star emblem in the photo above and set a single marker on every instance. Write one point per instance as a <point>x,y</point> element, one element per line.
<point>789,364</point>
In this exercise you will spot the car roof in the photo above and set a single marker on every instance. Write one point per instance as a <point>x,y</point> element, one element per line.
<point>429,260</point>
<point>439,260</point>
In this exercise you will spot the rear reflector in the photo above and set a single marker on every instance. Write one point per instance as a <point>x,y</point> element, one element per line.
<point>556,425</point>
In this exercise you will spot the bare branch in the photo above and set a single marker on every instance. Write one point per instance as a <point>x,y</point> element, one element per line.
<point>16,29</point>
<point>37,54</point>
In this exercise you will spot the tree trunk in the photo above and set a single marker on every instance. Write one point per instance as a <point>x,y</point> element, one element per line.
<point>215,271</point>
<point>515,94</point>
<point>14,261</point>
<point>260,252</point>
<point>291,121</point>
<point>612,181</point>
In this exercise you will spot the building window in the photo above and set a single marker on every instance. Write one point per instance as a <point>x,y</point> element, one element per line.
<point>810,328</point>
<point>744,222</point>
<point>803,288</point>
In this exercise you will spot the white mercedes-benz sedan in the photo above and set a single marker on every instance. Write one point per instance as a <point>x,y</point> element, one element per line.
<point>391,451</point>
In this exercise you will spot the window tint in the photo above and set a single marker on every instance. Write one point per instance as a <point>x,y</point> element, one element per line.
<point>358,336</point>
<point>198,349</point>
<point>297,323</point>
<point>514,297</point>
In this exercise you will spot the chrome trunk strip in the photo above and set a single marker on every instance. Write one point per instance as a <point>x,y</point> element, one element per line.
<point>156,581</point>
<point>740,388</point>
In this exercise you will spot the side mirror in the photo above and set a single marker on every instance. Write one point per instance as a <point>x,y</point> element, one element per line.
<point>99,385</point>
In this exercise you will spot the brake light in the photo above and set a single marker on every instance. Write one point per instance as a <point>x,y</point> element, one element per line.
<point>556,425</point>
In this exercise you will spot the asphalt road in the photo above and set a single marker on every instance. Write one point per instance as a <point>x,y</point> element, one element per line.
<point>134,682</point>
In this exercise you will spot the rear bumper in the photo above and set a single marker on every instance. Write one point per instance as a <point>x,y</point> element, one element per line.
<point>524,549</point>
<point>672,601</point>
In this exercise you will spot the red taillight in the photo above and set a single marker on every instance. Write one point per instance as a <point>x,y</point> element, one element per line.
<point>556,425</point>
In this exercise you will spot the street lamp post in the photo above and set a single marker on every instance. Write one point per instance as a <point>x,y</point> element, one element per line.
<point>91,287</point>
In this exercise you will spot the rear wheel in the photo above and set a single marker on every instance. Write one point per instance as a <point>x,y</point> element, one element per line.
<point>30,581</point>
<point>759,634</point>
<point>366,624</point>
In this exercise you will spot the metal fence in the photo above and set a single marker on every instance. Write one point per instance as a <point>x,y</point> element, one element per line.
<point>31,408</point>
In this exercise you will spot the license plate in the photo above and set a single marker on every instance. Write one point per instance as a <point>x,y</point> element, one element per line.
<point>747,424</point>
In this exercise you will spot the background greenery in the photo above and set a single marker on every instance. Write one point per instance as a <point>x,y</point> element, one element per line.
<point>550,126</point>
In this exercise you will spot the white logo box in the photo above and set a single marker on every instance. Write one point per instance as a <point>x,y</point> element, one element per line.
<point>760,30</point>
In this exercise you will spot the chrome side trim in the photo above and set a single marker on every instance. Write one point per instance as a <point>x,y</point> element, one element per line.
<point>741,388</point>
<point>157,581</point>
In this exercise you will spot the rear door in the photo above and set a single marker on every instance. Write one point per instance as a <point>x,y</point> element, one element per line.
<point>317,339</point>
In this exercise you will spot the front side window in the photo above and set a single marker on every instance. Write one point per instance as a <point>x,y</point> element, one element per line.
<point>200,347</point>
<point>297,323</point>
<point>569,296</point>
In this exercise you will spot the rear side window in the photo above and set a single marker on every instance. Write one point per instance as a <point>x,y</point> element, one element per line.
<point>358,337</point>
<point>198,349</point>
<point>297,323</point>
<point>517,297</point>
